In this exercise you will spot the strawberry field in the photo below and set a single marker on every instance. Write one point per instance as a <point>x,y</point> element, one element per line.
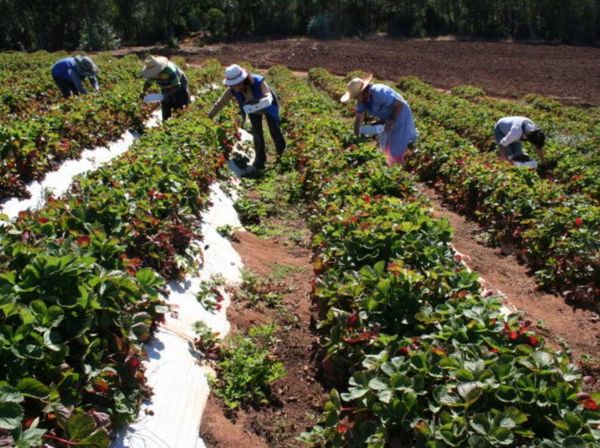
<point>413,350</point>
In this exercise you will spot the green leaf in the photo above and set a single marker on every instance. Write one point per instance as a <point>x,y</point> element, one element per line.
<point>10,394</point>
<point>385,396</point>
<point>354,394</point>
<point>30,438</point>
<point>470,392</point>
<point>148,279</point>
<point>378,384</point>
<point>82,428</point>
<point>31,387</point>
<point>515,415</point>
<point>11,415</point>
<point>501,435</point>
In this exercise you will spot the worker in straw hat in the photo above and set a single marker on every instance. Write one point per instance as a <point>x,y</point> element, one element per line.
<point>69,73</point>
<point>387,105</point>
<point>255,99</point>
<point>172,81</point>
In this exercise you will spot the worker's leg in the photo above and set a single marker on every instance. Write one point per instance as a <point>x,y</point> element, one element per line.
<point>65,87</point>
<point>181,98</point>
<point>276,135</point>
<point>166,107</point>
<point>498,136</point>
<point>515,150</point>
<point>259,141</point>
<point>185,85</point>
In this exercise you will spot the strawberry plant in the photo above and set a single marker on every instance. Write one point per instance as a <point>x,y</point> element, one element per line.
<point>422,355</point>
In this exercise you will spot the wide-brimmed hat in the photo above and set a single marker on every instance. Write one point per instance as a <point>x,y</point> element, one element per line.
<point>356,86</point>
<point>153,65</point>
<point>85,66</point>
<point>234,74</point>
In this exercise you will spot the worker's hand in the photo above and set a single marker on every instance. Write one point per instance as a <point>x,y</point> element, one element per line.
<point>389,125</point>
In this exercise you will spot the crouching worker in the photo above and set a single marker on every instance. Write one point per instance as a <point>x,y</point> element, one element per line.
<point>172,80</point>
<point>255,99</point>
<point>509,132</point>
<point>384,103</point>
<point>69,73</point>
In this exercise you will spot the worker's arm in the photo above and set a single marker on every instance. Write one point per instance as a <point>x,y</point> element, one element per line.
<point>220,103</point>
<point>358,121</point>
<point>95,83</point>
<point>389,124</point>
<point>514,134</point>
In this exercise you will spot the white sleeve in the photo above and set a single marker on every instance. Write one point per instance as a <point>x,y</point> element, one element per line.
<point>513,135</point>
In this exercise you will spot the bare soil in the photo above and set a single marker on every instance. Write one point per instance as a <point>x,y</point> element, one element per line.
<point>297,398</point>
<point>501,271</point>
<point>567,73</point>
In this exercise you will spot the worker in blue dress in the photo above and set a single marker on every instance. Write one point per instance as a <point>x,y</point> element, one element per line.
<point>388,106</point>
<point>252,90</point>
<point>69,73</point>
<point>172,81</point>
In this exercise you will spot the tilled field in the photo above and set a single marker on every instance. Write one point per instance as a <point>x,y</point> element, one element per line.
<point>571,74</point>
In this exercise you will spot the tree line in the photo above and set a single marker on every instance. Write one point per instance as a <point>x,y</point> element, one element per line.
<point>104,24</point>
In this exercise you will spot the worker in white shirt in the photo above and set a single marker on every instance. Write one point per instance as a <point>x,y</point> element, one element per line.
<point>509,132</point>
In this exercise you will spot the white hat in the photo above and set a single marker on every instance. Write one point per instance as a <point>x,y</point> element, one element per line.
<point>153,65</point>
<point>356,86</point>
<point>234,74</point>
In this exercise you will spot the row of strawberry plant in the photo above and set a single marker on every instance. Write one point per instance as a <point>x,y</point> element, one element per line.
<point>79,284</point>
<point>556,233</point>
<point>425,358</point>
<point>572,161</point>
<point>25,96</point>
<point>32,146</point>
<point>538,107</point>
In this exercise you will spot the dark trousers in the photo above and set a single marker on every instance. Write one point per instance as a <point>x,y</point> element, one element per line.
<point>67,88</point>
<point>259,138</point>
<point>177,100</point>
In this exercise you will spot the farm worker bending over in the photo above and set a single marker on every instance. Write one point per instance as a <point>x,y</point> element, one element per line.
<point>510,131</point>
<point>172,81</point>
<point>255,99</point>
<point>69,73</point>
<point>389,106</point>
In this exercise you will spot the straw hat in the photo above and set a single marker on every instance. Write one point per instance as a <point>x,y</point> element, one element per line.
<point>153,65</point>
<point>356,86</point>
<point>234,74</point>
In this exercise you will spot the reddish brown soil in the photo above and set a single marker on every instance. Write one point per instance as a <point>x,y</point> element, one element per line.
<point>568,73</point>
<point>296,396</point>
<point>501,271</point>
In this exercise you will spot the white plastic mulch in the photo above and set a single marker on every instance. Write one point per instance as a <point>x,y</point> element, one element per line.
<point>171,419</point>
<point>180,390</point>
<point>58,182</point>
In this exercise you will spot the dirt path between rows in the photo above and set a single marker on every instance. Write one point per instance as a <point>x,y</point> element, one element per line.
<point>555,319</point>
<point>298,397</point>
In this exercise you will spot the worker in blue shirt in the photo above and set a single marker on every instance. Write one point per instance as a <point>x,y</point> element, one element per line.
<point>388,106</point>
<point>69,73</point>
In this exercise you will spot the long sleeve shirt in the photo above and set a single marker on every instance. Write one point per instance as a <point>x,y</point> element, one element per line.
<point>66,69</point>
<point>227,96</point>
<point>513,129</point>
